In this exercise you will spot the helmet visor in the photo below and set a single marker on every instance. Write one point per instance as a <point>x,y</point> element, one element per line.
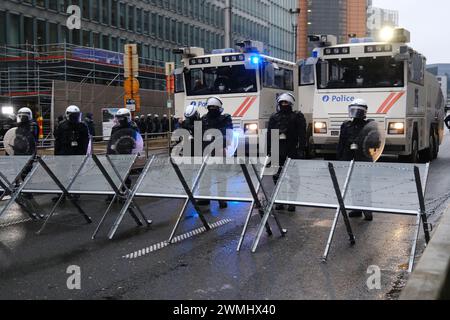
<point>357,112</point>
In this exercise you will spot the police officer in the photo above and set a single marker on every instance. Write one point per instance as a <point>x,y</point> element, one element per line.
<point>216,119</point>
<point>142,125</point>
<point>292,132</point>
<point>191,115</point>
<point>72,135</point>
<point>127,128</point>
<point>124,136</point>
<point>8,123</point>
<point>156,124</point>
<point>165,124</point>
<point>27,134</point>
<point>350,141</point>
<point>149,123</point>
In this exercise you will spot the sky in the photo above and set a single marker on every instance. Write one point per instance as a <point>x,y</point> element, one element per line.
<point>429,24</point>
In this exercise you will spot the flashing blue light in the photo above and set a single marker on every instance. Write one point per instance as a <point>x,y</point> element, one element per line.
<point>315,54</point>
<point>255,60</point>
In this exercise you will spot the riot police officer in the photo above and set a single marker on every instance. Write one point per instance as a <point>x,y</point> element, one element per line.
<point>191,115</point>
<point>27,133</point>
<point>350,140</point>
<point>156,124</point>
<point>142,125</point>
<point>124,134</point>
<point>292,133</point>
<point>72,135</point>
<point>216,119</point>
<point>165,124</point>
<point>149,124</point>
<point>125,138</point>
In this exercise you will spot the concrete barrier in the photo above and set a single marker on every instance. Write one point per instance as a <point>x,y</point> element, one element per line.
<point>431,278</point>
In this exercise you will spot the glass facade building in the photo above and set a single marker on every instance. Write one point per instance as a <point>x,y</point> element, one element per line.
<point>336,17</point>
<point>157,26</point>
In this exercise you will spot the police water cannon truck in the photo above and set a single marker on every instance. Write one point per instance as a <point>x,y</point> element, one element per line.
<point>246,80</point>
<point>391,76</point>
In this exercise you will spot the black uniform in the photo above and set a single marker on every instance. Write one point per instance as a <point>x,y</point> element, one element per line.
<point>149,124</point>
<point>6,124</point>
<point>71,138</point>
<point>156,125</point>
<point>293,126</point>
<point>222,123</point>
<point>142,124</point>
<point>350,134</point>
<point>189,125</point>
<point>119,131</point>
<point>165,124</point>
<point>27,137</point>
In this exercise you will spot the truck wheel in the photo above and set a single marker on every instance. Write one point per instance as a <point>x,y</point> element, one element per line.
<point>414,156</point>
<point>427,155</point>
<point>436,146</point>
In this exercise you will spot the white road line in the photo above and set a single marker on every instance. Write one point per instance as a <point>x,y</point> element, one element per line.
<point>143,252</point>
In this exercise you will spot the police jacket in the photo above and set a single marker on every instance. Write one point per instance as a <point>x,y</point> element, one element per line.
<point>156,125</point>
<point>350,134</point>
<point>119,131</point>
<point>292,125</point>
<point>27,136</point>
<point>165,125</point>
<point>221,123</point>
<point>149,125</point>
<point>71,138</point>
<point>189,123</point>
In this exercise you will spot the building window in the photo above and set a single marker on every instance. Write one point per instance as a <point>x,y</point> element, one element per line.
<point>114,13</point>
<point>28,26</point>
<point>105,11</point>
<point>122,9</point>
<point>2,30</point>
<point>13,29</point>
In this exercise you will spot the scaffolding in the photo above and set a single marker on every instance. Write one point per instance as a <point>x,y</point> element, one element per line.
<point>28,73</point>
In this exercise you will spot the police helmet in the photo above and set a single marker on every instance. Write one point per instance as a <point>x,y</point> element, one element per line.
<point>24,115</point>
<point>358,109</point>
<point>214,103</point>
<point>285,97</point>
<point>190,111</point>
<point>73,114</point>
<point>123,115</point>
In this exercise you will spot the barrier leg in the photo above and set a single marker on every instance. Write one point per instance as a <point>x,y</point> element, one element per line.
<point>269,208</point>
<point>343,210</point>
<point>102,220</point>
<point>337,214</point>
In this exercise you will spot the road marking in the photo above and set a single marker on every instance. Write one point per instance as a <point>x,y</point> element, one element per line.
<point>156,247</point>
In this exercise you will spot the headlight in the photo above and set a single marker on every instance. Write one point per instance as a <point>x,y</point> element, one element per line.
<point>320,127</point>
<point>251,128</point>
<point>396,128</point>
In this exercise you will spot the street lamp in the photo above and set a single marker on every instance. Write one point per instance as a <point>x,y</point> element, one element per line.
<point>294,14</point>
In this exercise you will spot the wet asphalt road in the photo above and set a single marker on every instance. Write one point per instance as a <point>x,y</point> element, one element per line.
<point>207,266</point>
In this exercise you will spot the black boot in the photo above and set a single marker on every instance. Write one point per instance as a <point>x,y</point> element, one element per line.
<point>355,214</point>
<point>291,208</point>
<point>279,207</point>
<point>203,202</point>
<point>368,216</point>
<point>223,204</point>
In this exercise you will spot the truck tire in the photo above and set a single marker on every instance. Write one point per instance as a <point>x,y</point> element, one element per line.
<point>414,156</point>
<point>436,146</point>
<point>427,155</point>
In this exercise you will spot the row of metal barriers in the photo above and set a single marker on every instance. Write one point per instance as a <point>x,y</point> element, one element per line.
<point>342,186</point>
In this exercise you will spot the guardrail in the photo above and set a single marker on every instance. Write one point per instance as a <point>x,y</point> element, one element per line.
<point>153,143</point>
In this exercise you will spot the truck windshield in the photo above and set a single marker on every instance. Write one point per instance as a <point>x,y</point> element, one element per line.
<point>220,80</point>
<point>380,72</point>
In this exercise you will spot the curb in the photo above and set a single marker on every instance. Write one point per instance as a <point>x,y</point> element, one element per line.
<point>431,278</point>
